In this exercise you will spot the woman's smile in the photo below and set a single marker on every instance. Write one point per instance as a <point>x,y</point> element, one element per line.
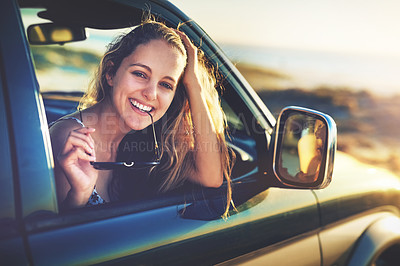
<point>139,107</point>
<point>146,82</point>
<point>150,74</point>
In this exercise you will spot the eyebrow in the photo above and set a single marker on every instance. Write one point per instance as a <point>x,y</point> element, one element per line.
<point>149,69</point>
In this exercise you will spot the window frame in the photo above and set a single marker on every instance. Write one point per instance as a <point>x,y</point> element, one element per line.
<point>253,117</point>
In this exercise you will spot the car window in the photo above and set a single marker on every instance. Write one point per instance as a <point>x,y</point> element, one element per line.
<point>67,67</point>
<point>233,119</point>
<point>64,73</point>
<point>67,70</point>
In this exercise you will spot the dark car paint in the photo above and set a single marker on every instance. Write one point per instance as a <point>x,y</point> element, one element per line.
<point>155,233</point>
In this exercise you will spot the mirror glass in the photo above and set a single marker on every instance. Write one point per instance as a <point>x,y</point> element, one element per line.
<point>49,33</point>
<point>302,148</point>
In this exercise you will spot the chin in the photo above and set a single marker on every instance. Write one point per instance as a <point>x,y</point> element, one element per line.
<point>138,127</point>
<point>142,125</point>
<point>139,123</point>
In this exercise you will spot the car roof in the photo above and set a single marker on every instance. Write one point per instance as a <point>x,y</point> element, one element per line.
<point>97,14</point>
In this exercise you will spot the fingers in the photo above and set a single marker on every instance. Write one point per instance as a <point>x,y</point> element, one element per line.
<point>185,38</point>
<point>78,142</point>
<point>83,155</point>
<point>73,156</point>
<point>80,139</point>
<point>84,134</point>
<point>85,130</point>
<point>191,50</point>
<point>186,41</point>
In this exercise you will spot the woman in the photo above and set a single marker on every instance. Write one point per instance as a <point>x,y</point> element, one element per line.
<point>152,71</point>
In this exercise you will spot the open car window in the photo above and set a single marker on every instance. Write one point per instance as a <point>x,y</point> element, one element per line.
<point>69,67</point>
<point>64,72</point>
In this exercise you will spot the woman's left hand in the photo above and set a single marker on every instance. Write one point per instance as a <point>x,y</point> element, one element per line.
<point>208,160</point>
<point>190,76</point>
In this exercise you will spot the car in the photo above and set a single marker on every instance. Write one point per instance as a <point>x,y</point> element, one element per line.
<point>284,215</point>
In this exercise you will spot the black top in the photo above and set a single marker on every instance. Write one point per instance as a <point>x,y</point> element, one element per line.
<point>138,183</point>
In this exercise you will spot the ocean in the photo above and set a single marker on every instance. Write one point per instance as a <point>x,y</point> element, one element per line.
<point>312,69</point>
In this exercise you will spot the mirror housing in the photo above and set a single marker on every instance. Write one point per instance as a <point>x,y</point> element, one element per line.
<point>304,148</point>
<point>50,33</point>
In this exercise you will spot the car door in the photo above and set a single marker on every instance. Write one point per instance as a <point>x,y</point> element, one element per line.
<point>172,229</point>
<point>270,223</point>
<point>25,164</point>
<point>11,239</point>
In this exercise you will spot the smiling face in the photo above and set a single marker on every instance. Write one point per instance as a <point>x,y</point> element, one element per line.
<point>146,81</point>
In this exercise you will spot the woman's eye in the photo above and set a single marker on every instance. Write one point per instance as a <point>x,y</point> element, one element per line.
<point>166,85</point>
<point>139,74</point>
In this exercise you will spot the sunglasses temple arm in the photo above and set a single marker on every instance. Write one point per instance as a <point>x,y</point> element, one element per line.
<point>156,148</point>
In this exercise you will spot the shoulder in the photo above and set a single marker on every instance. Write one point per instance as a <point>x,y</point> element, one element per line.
<point>61,128</point>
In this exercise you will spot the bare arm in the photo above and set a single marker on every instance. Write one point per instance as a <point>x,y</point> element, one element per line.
<point>207,151</point>
<point>73,149</point>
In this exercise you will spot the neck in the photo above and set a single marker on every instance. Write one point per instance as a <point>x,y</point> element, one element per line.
<point>109,129</point>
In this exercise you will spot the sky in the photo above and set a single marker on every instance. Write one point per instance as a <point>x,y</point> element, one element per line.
<point>350,43</point>
<point>358,40</point>
<point>350,26</point>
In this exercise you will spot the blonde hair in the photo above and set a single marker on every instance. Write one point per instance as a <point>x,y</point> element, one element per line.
<point>122,47</point>
<point>177,140</point>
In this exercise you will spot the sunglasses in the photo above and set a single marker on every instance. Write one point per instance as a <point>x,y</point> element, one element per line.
<point>132,165</point>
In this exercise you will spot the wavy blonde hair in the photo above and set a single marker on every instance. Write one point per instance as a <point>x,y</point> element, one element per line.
<point>177,140</point>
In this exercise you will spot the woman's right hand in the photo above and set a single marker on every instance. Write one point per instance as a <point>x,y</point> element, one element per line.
<point>74,159</point>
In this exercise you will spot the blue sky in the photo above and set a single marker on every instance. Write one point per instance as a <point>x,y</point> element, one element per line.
<point>354,26</point>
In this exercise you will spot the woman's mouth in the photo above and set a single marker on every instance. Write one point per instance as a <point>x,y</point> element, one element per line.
<point>140,107</point>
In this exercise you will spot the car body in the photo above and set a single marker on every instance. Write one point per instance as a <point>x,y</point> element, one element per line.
<point>353,221</point>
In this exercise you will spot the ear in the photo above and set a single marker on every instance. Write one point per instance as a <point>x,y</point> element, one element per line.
<point>109,77</point>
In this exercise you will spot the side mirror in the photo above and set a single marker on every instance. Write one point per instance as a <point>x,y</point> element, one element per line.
<point>49,33</point>
<point>305,145</point>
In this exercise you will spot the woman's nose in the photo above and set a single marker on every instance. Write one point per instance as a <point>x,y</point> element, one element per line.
<point>150,92</point>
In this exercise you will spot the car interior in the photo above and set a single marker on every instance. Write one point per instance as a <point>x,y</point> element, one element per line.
<point>93,25</point>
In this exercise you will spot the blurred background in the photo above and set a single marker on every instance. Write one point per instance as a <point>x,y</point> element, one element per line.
<point>340,57</point>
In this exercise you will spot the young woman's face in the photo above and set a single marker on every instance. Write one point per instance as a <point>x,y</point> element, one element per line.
<point>146,81</point>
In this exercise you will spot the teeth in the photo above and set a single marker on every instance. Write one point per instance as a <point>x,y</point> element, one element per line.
<point>140,106</point>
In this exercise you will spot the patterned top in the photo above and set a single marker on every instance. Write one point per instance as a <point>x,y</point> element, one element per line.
<point>95,198</point>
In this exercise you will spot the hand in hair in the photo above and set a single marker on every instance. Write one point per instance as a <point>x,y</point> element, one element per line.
<point>208,158</point>
<point>190,75</point>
